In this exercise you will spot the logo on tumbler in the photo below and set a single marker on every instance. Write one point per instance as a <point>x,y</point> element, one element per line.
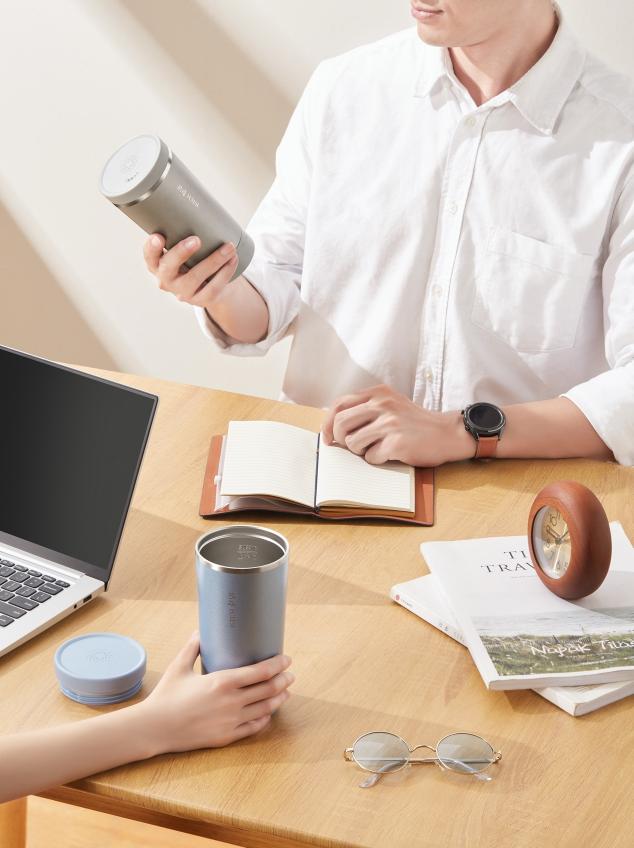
<point>231,603</point>
<point>245,551</point>
<point>187,195</point>
<point>129,169</point>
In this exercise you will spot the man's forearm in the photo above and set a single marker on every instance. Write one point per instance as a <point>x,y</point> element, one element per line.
<point>549,429</point>
<point>241,312</point>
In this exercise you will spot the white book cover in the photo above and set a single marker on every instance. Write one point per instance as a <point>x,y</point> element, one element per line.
<point>421,597</point>
<point>521,635</point>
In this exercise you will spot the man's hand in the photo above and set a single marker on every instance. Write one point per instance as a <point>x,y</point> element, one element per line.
<point>381,424</point>
<point>200,285</point>
<point>235,306</point>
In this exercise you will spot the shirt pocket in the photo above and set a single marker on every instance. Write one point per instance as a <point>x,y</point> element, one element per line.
<point>531,293</point>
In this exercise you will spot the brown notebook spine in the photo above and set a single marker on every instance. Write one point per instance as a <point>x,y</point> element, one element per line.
<point>209,491</point>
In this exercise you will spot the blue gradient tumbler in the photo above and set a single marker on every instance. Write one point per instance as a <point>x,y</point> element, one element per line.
<point>241,571</point>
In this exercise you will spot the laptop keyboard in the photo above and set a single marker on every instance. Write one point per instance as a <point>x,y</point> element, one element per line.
<point>23,589</point>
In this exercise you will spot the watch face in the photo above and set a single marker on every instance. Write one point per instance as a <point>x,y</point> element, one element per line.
<point>485,416</point>
<point>551,542</point>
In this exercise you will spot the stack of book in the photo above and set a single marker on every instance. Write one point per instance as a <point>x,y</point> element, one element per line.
<point>484,593</point>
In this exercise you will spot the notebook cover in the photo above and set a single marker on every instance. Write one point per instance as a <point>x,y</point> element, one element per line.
<point>423,497</point>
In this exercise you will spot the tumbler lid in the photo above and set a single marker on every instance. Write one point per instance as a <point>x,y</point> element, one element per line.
<point>100,668</point>
<point>135,170</point>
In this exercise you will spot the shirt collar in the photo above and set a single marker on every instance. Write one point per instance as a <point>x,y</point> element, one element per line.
<point>539,95</point>
<point>435,65</point>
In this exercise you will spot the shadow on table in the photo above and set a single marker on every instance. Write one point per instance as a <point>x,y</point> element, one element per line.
<point>500,493</point>
<point>338,725</point>
<point>164,569</point>
<point>520,475</point>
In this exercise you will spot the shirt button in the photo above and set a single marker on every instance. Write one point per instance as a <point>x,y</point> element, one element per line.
<point>471,121</point>
<point>452,208</point>
<point>429,375</point>
<point>436,290</point>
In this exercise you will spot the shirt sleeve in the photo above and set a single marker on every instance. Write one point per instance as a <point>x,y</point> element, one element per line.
<point>278,231</point>
<point>607,400</point>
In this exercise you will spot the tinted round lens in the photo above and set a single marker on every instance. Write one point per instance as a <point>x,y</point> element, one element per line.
<point>465,753</point>
<point>380,752</point>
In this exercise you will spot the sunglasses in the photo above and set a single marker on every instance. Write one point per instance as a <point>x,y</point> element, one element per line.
<point>383,753</point>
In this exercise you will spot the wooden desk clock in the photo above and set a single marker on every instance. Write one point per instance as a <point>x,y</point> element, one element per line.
<point>569,539</point>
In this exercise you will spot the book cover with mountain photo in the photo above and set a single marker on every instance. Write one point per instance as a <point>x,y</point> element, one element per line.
<point>520,634</point>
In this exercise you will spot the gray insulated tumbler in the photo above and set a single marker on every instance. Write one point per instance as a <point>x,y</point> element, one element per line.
<point>148,182</point>
<point>241,572</point>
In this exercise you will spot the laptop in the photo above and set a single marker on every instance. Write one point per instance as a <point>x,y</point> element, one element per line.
<point>71,446</point>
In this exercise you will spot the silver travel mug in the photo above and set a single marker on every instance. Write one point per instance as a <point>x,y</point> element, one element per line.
<point>241,572</point>
<point>150,184</point>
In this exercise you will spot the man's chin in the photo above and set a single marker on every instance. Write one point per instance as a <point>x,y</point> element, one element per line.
<point>433,36</point>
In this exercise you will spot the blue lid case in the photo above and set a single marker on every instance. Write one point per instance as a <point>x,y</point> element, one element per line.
<point>100,668</point>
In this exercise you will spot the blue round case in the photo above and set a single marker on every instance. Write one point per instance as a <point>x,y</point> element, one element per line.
<point>100,668</point>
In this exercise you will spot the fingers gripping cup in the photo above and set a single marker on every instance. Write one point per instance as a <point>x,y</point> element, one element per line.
<point>241,572</point>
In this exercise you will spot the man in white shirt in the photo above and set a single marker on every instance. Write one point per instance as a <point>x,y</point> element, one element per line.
<point>451,223</point>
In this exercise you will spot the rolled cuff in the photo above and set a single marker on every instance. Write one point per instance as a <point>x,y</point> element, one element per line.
<point>607,401</point>
<point>279,287</point>
<point>210,330</point>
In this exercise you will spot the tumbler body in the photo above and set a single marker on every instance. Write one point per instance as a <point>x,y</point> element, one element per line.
<point>150,184</point>
<point>241,572</point>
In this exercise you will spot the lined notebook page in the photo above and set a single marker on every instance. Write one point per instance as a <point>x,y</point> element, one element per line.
<point>267,458</point>
<point>347,479</point>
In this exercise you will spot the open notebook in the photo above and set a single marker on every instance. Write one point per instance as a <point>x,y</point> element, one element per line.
<point>265,465</point>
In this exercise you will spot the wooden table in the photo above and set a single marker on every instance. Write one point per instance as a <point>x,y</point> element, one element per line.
<point>362,663</point>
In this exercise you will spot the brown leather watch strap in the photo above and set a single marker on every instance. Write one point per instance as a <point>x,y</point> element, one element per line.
<point>486,447</point>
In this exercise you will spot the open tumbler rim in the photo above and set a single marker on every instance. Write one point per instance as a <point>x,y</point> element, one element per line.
<point>253,531</point>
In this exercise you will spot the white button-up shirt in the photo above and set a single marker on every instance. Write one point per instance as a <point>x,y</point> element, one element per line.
<point>456,252</point>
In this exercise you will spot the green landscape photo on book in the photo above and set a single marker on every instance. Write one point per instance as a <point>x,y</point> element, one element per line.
<point>587,640</point>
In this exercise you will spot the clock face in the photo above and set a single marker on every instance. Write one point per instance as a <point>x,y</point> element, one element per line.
<point>551,542</point>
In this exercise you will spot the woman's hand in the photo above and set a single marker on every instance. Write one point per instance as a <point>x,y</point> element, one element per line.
<point>188,710</point>
<point>381,424</point>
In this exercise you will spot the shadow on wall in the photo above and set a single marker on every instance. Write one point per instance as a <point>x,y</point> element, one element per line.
<point>35,313</point>
<point>227,77</point>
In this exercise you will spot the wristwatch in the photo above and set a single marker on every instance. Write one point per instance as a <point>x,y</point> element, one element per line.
<point>485,422</point>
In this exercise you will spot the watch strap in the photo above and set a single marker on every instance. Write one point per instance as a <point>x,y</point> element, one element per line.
<point>486,447</point>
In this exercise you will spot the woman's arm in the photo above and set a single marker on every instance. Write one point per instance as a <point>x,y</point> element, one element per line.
<point>185,711</point>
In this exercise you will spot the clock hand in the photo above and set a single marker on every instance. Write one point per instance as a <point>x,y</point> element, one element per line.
<point>558,539</point>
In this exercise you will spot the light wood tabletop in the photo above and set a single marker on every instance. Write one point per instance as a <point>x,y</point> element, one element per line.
<point>362,663</point>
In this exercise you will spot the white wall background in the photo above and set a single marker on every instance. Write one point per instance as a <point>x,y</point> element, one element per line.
<point>218,80</point>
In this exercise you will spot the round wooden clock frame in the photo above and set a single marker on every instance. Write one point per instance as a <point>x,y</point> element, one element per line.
<point>590,539</point>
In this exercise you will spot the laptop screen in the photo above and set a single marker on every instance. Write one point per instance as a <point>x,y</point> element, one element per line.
<point>70,450</point>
